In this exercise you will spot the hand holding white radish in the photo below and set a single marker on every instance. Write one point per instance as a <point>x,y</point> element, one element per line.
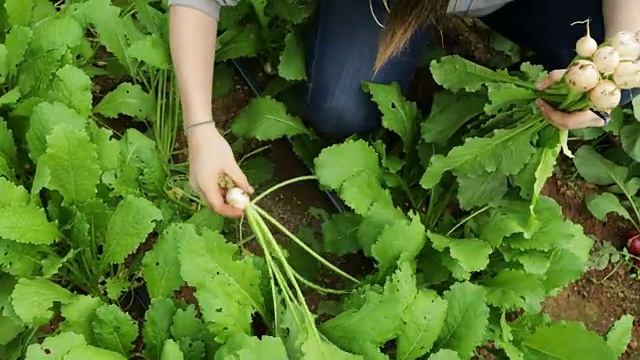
<point>560,119</point>
<point>211,157</point>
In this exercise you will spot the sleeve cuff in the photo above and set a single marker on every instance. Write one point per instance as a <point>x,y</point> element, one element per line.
<point>209,7</point>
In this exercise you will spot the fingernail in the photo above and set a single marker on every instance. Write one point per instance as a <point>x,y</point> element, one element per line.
<point>539,103</point>
<point>539,85</point>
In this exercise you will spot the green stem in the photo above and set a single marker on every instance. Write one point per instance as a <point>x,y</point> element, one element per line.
<point>283,184</point>
<point>302,244</point>
<point>252,153</point>
<point>471,216</point>
<point>316,286</point>
<point>289,273</point>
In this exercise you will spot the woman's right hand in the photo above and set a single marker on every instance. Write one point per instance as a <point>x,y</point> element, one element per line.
<point>211,157</point>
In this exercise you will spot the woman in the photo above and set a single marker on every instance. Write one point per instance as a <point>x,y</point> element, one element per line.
<point>364,40</point>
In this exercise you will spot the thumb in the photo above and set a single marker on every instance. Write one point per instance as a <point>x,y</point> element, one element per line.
<point>237,175</point>
<point>553,78</point>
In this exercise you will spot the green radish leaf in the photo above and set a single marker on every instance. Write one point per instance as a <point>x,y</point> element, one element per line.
<point>19,259</point>
<point>171,351</point>
<point>445,354</point>
<point>55,347</point>
<point>157,326</point>
<point>111,28</point>
<point>12,193</point>
<point>471,254</point>
<point>380,214</point>
<point>267,119</point>
<point>551,342</point>
<point>456,73</point>
<point>630,140</point>
<point>480,189</point>
<point>132,221</point>
<point>351,330</point>
<point>19,11</point>
<point>114,330</point>
<point>241,346</point>
<point>449,113</point>
<point>600,205</point>
<point>17,43</point>
<point>46,117</point>
<point>507,152</point>
<point>11,97</point>
<point>187,324</point>
<point>69,166</point>
<point>230,293</point>
<point>10,330</point>
<point>91,352</point>
<point>388,251</point>
<point>503,96</point>
<point>340,233</point>
<point>26,224</point>
<point>398,114</point>
<point>337,163</point>
<point>293,11</point>
<point>514,289</point>
<point>152,51</point>
<point>619,335</point>
<point>292,65</point>
<point>127,99</point>
<point>259,6</point>
<point>238,42</point>
<point>8,149</point>
<point>467,318</point>
<point>422,322</point>
<point>72,87</point>
<point>79,315</point>
<point>160,266</point>
<point>597,169</point>
<point>636,107</point>
<point>32,299</point>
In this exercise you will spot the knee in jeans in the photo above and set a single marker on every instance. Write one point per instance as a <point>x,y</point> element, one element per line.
<point>340,116</point>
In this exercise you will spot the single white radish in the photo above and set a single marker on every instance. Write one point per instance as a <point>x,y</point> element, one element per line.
<point>268,68</point>
<point>237,198</point>
<point>582,75</point>
<point>586,46</point>
<point>605,96</point>
<point>627,45</point>
<point>606,59</point>
<point>627,75</point>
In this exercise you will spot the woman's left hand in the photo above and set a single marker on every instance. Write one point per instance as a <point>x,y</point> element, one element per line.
<point>562,120</point>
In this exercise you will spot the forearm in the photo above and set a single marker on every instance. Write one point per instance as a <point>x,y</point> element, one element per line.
<point>192,41</point>
<point>620,15</point>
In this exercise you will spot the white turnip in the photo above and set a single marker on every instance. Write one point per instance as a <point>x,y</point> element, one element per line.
<point>586,46</point>
<point>582,75</point>
<point>627,74</point>
<point>237,198</point>
<point>605,96</point>
<point>606,59</point>
<point>627,45</point>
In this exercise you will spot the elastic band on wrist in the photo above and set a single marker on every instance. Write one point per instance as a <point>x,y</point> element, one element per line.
<point>604,116</point>
<point>187,129</point>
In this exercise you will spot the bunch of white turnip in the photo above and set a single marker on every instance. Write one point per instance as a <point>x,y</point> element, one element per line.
<point>603,70</point>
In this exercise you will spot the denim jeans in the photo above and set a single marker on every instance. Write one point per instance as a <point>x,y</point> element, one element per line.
<point>343,44</point>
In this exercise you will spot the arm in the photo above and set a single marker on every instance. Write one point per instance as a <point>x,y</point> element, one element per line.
<point>193,42</point>
<point>192,39</point>
<point>620,15</point>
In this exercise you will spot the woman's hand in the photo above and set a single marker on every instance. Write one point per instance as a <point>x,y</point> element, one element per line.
<point>211,157</point>
<point>560,119</point>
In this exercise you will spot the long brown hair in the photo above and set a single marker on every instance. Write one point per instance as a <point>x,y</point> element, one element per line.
<point>405,17</point>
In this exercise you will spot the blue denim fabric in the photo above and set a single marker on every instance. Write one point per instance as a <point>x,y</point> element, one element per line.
<point>341,54</point>
<point>342,48</point>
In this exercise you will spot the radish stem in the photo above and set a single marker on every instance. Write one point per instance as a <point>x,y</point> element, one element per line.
<point>302,244</point>
<point>283,184</point>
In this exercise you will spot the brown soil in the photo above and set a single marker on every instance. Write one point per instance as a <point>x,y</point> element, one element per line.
<point>600,297</point>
